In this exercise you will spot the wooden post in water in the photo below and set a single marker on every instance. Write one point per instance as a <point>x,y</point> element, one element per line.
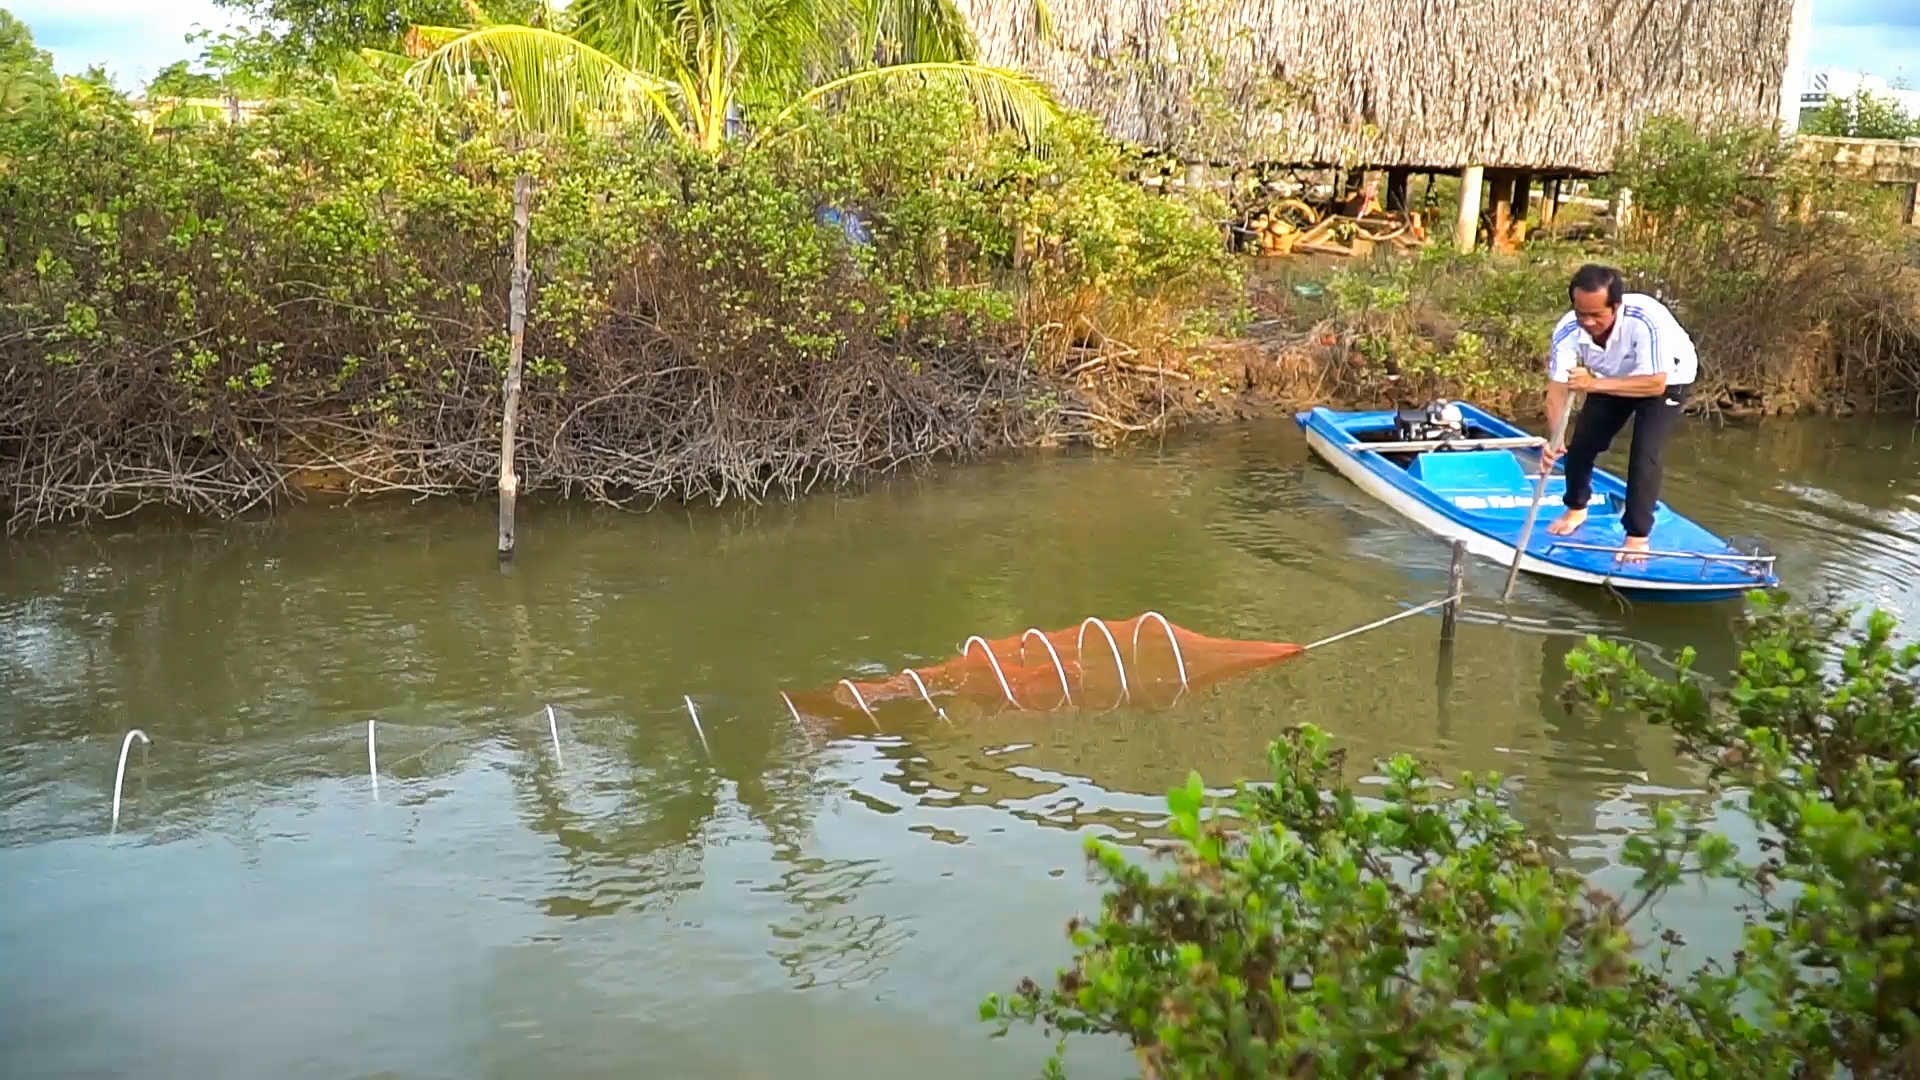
<point>1456,587</point>
<point>517,325</point>
<point>1467,226</point>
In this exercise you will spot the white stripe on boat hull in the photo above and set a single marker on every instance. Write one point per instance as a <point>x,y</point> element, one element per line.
<point>1479,543</point>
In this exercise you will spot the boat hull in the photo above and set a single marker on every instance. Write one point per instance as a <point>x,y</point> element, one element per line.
<point>1494,535</point>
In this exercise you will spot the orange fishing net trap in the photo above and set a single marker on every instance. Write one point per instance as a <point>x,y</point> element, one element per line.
<point>1101,664</point>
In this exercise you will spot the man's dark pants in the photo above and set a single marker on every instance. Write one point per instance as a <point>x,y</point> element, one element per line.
<point>1601,418</point>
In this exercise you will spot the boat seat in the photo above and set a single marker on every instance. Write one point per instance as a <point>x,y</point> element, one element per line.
<point>1470,471</point>
<point>1478,480</point>
<point>1483,480</point>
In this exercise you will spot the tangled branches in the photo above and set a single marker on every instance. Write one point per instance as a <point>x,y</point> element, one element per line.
<point>103,440</point>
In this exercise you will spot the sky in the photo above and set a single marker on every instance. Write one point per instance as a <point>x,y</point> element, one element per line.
<point>135,38</point>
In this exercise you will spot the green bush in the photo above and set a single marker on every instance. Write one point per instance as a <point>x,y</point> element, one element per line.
<point>1863,114</point>
<point>1798,286</point>
<point>210,317</point>
<point>1819,730</point>
<point>1443,324</point>
<point>1303,930</point>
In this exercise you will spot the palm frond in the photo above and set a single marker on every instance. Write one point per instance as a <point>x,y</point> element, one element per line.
<point>380,64</point>
<point>1003,98</point>
<point>916,31</point>
<point>421,40</point>
<point>1043,21</point>
<point>785,47</point>
<point>642,34</point>
<point>552,82</point>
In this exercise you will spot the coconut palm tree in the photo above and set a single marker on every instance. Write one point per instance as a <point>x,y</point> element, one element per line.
<point>702,68</point>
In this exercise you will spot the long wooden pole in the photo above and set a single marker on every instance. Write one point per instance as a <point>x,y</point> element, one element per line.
<point>1539,493</point>
<point>517,324</point>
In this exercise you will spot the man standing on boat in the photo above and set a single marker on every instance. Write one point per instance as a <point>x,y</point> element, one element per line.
<point>1628,354</point>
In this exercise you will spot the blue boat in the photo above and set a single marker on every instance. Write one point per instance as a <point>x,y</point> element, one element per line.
<point>1465,474</point>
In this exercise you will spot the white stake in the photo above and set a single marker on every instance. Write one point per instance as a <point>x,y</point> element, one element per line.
<point>120,773</point>
<point>554,730</point>
<point>797,722</point>
<point>373,763</point>
<point>860,701</point>
<point>695,713</point>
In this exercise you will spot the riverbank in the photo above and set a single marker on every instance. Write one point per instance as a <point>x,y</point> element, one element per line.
<point>228,319</point>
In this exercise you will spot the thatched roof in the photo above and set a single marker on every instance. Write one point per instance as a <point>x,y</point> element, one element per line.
<point>1540,84</point>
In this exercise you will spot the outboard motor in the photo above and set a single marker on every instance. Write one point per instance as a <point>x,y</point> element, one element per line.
<point>1439,420</point>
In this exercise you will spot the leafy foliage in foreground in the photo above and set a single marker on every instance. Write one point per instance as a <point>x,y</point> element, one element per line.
<point>1820,729</point>
<point>1305,931</point>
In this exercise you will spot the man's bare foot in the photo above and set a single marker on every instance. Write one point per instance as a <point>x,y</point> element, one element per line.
<point>1633,544</point>
<point>1567,522</point>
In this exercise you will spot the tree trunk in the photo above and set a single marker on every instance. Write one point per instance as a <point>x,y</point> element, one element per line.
<point>517,325</point>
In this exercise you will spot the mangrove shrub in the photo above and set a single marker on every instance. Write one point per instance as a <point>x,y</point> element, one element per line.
<point>218,318</point>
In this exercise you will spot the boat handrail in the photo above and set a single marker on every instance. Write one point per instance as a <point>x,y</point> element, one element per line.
<point>1707,555</point>
<point>1423,446</point>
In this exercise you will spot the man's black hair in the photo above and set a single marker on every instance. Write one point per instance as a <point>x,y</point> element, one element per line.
<point>1594,276</point>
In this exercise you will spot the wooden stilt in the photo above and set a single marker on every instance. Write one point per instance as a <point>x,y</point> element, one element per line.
<point>1197,180</point>
<point>1522,203</point>
<point>1370,194</point>
<point>1500,199</point>
<point>1467,225</point>
<point>1549,201</point>
<point>1623,209</point>
<point>1399,190</point>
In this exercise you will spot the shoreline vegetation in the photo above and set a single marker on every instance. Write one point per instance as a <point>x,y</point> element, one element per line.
<point>225,317</point>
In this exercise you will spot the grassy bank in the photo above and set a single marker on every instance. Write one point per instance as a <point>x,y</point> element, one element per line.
<point>225,318</point>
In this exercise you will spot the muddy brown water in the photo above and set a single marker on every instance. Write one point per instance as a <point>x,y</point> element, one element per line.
<point>642,905</point>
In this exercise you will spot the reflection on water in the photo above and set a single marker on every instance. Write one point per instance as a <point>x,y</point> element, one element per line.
<point>773,902</point>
